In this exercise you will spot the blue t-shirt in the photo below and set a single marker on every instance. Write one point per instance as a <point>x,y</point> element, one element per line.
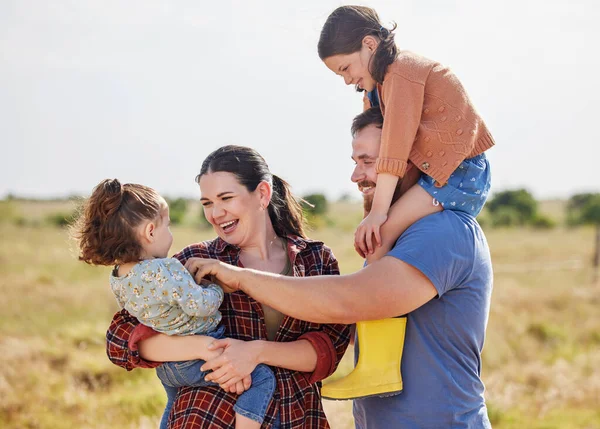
<point>441,364</point>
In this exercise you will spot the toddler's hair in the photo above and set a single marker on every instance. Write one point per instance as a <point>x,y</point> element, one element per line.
<point>344,31</point>
<point>106,229</point>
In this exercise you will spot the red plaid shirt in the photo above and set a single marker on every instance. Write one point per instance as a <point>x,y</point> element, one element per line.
<point>298,395</point>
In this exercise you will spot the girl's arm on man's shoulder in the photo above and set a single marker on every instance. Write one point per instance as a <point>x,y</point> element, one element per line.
<point>413,205</point>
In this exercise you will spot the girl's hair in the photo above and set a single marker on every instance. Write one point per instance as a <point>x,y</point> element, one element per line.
<point>105,230</point>
<point>344,31</point>
<point>250,170</point>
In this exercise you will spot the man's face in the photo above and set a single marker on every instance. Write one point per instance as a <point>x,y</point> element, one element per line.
<point>365,150</point>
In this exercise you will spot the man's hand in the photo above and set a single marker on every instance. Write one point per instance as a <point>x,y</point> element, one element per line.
<point>227,276</point>
<point>369,227</point>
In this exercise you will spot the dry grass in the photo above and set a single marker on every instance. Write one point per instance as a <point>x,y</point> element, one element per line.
<point>540,359</point>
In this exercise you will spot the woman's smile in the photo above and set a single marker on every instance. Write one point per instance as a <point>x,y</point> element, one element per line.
<point>229,226</point>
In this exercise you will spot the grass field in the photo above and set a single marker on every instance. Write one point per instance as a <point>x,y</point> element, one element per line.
<point>541,356</point>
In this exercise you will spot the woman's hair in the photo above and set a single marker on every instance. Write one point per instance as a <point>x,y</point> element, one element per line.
<point>106,229</point>
<point>250,170</point>
<point>344,31</point>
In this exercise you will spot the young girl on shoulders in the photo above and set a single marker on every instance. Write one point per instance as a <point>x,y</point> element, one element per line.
<point>429,124</point>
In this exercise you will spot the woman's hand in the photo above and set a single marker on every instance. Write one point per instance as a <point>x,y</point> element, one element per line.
<point>238,360</point>
<point>225,275</point>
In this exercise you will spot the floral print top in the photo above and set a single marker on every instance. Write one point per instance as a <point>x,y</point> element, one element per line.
<point>164,296</point>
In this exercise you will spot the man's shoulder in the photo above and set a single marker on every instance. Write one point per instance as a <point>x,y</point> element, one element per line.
<point>448,247</point>
<point>447,220</point>
<point>453,230</point>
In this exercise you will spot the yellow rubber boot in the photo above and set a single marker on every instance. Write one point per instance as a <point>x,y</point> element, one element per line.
<point>377,372</point>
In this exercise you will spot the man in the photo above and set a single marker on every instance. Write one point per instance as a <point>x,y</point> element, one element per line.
<point>439,273</point>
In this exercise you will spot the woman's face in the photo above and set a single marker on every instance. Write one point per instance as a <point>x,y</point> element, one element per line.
<point>233,212</point>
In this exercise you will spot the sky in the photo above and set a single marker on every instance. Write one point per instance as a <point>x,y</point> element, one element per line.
<point>144,90</point>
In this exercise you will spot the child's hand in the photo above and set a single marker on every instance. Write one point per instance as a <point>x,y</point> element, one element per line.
<point>369,227</point>
<point>241,386</point>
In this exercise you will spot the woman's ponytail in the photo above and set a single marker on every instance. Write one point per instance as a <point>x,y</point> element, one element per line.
<point>285,211</point>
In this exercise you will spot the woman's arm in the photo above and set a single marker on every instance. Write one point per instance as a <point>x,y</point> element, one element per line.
<point>239,358</point>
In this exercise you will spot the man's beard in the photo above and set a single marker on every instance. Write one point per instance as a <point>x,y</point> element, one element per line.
<point>367,199</point>
<point>367,203</point>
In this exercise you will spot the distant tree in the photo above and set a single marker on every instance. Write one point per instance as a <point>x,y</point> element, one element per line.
<point>576,203</point>
<point>319,203</point>
<point>584,209</point>
<point>204,223</point>
<point>520,203</point>
<point>177,210</point>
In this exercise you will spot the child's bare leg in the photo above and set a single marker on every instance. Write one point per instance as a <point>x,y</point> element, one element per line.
<point>415,204</point>
<point>242,422</point>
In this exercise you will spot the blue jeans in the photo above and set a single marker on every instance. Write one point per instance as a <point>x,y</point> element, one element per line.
<point>467,189</point>
<point>252,403</point>
<point>277,423</point>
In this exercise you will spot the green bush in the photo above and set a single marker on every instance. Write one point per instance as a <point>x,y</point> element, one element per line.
<point>61,219</point>
<point>506,217</point>
<point>511,208</point>
<point>177,210</point>
<point>543,222</point>
<point>318,202</point>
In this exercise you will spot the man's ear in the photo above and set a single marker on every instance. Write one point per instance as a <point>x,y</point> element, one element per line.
<point>370,42</point>
<point>265,192</point>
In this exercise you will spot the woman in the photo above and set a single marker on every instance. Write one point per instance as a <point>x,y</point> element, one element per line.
<point>259,225</point>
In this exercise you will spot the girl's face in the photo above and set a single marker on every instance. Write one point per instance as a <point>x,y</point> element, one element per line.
<point>354,67</point>
<point>234,213</point>
<point>159,239</point>
<point>163,232</point>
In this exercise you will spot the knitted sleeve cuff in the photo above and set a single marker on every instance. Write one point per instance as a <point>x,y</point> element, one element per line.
<point>397,167</point>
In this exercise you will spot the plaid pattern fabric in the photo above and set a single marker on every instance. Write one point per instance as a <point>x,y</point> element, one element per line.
<point>297,400</point>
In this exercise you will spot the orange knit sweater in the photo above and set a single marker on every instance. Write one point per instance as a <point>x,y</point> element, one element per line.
<point>428,119</point>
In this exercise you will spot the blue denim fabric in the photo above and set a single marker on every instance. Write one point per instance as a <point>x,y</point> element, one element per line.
<point>277,423</point>
<point>373,98</point>
<point>467,189</point>
<point>252,403</point>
